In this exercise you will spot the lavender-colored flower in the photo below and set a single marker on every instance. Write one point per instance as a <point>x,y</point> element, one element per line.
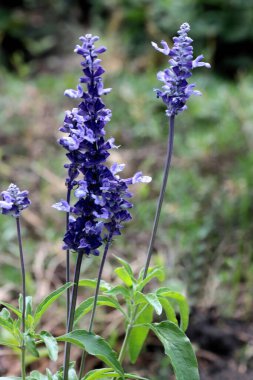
<point>101,205</point>
<point>14,201</point>
<point>176,90</point>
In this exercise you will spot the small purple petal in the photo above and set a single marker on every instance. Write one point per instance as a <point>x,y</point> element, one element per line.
<point>62,206</point>
<point>82,190</point>
<point>165,50</point>
<point>116,168</point>
<point>73,93</point>
<point>6,205</point>
<point>139,177</point>
<point>197,62</point>
<point>100,50</point>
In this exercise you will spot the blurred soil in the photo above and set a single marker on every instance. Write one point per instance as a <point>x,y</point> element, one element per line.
<point>225,346</point>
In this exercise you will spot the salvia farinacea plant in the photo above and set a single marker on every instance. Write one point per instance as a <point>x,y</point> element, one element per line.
<point>97,204</point>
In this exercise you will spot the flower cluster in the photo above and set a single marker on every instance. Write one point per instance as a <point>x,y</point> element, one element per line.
<point>176,90</point>
<point>85,125</point>
<point>101,194</point>
<point>14,201</point>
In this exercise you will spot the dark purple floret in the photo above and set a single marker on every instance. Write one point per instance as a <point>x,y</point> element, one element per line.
<point>84,234</point>
<point>101,206</point>
<point>176,90</point>
<point>14,201</point>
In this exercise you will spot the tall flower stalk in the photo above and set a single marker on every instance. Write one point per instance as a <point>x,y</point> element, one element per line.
<point>161,196</point>
<point>174,93</point>
<point>13,202</point>
<point>93,312</point>
<point>68,253</point>
<point>101,204</point>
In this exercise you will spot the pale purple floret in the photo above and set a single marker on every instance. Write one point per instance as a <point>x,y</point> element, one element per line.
<point>176,91</point>
<point>14,201</point>
<point>62,206</point>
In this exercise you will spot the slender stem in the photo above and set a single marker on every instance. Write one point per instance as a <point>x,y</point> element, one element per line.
<point>22,263</point>
<point>161,196</point>
<point>124,345</point>
<point>23,371</point>
<point>154,231</point>
<point>72,313</point>
<point>139,311</point>
<point>68,257</point>
<point>101,268</point>
<point>134,315</point>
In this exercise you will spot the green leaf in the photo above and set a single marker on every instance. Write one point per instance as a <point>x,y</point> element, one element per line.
<point>29,318</point>
<point>72,374</point>
<point>49,374</point>
<point>12,308</point>
<point>119,290</point>
<point>99,373</point>
<point>108,372</point>
<point>154,301</point>
<point>156,272</point>
<point>87,305</point>
<point>59,374</point>
<point>138,334</point>
<point>149,298</point>
<point>7,325</point>
<point>169,310</point>
<point>20,302</point>
<point>182,303</point>
<point>6,343</point>
<point>94,345</point>
<point>47,302</point>
<point>125,265</point>
<point>84,308</point>
<point>28,304</point>
<point>140,298</point>
<point>124,276</point>
<point>132,376</point>
<point>93,283</point>
<point>178,348</point>
<point>31,345</point>
<point>36,375</point>
<point>5,314</point>
<point>51,344</point>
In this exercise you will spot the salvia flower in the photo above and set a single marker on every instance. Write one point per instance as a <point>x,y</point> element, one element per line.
<point>14,201</point>
<point>101,195</point>
<point>176,90</point>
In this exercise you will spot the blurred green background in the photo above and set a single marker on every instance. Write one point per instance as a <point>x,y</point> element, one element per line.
<point>205,237</point>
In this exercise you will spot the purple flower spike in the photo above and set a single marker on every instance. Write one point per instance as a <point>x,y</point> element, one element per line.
<point>101,204</point>
<point>176,91</point>
<point>14,201</point>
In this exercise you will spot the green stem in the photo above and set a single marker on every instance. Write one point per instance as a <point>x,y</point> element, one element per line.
<point>154,230</point>
<point>72,314</point>
<point>140,312</point>
<point>22,264</point>
<point>134,316</point>
<point>161,196</point>
<point>125,342</point>
<point>82,365</point>
<point>23,371</point>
